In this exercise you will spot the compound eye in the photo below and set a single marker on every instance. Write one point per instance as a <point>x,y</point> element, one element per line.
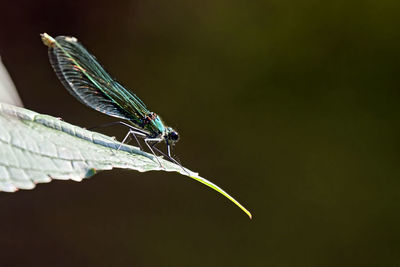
<point>174,136</point>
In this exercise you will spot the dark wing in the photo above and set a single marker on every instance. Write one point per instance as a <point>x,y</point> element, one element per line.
<point>87,80</point>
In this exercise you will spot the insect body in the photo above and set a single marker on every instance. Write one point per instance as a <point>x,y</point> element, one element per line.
<point>88,82</point>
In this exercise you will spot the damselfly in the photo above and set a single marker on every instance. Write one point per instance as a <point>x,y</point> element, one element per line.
<point>88,82</point>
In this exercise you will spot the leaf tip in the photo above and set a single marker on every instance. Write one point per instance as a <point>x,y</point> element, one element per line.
<point>245,210</point>
<point>250,216</point>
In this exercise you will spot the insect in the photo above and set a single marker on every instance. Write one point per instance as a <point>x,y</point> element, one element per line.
<point>88,82</point>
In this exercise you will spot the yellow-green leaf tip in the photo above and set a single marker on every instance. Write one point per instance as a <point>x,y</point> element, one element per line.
<point>222,192</point>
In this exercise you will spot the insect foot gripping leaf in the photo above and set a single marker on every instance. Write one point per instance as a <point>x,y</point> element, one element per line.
<point>36,148</point>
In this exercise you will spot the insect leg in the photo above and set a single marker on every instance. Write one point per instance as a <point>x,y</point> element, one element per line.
<point>123,141</point>
<point>169,156</point>
<point>103,125</point>
<point>118,122</point>
<point>134,133</point>
<point>132,130</point>
<point>158,150</point>
<point>137,141</point>
<point>174,160</point>
<point>169,150</point>
<point>157,140</point>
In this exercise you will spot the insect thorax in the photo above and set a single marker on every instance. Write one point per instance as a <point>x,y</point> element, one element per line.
<point>153,124</point>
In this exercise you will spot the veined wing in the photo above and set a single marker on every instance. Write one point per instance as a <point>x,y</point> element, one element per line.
<point>87,80</point>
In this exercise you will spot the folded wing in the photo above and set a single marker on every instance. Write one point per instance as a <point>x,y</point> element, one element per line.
<point>87,81</point>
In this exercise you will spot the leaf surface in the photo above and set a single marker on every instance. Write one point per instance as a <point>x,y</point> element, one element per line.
<point>8,92</point>
<point>36,148</point>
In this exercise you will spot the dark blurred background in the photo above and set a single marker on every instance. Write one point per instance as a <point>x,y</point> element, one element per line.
<point>291,106</point>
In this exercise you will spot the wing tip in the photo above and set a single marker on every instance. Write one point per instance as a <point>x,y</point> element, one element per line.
<point>47,40</point>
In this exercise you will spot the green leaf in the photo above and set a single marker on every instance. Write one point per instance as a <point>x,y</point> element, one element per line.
<point>36,148</point>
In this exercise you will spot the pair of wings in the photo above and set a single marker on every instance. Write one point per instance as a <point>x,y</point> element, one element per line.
<point>87,81</point>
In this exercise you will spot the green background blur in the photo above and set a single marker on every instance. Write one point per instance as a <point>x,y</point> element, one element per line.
<point>291,106</point>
